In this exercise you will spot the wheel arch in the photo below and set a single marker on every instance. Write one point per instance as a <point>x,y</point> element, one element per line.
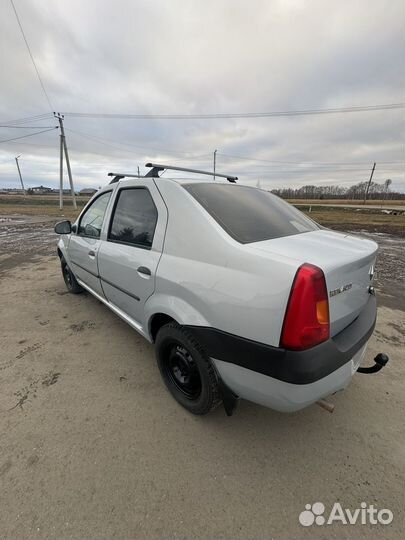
<point>61,248</point>
<point>161,309</point>
<point>156,321</point>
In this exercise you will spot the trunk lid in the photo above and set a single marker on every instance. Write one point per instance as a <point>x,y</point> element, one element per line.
<point>347,262</point>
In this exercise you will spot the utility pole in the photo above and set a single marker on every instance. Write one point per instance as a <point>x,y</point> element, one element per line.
<point>215,161</point>
<point>61,172</point>
<point>369,183</point>
<point>63,147</point>
<point>19,173</point>
<point>138,170</point>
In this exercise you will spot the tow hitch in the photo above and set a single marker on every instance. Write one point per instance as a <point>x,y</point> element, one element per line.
<point>380,360</point>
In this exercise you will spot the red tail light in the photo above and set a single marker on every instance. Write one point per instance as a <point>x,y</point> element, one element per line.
<point>306,322</point>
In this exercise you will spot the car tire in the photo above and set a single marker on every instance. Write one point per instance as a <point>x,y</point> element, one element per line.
<point>69,278</point>
<point>186,369</point>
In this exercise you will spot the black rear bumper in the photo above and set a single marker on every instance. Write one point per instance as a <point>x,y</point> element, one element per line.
<point>296,367</point>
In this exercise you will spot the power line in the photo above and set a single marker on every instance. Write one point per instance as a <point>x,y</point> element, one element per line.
<point>258,169</point>
<point>316,173</point>
<point>32,58</point>
<point>29,135</point>
<point>34,144</point>
<point>24,127</point>
<point>310,167</point>
<point>31,161</point>
<point>118,146</point>
<point>311,172</point>
<point>324,165</point>
<point>28,119</point>
<point>305,112</point>
<point>314,163</point>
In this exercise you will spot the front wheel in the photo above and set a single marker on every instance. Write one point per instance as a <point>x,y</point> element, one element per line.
<point>69,278</point>
<point>186,370</point>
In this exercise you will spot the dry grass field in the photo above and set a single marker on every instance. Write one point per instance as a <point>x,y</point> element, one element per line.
<point>357,220</point>
<point>40,205</point>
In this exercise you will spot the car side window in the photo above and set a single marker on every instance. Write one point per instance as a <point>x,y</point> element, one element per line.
<point>92,220</point>
<point>134,218</point>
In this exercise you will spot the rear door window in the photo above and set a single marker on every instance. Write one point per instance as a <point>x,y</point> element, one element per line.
<point>249,214</point>
<point>134,218</point>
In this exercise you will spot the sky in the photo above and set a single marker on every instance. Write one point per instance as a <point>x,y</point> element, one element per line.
<point>203,57</point>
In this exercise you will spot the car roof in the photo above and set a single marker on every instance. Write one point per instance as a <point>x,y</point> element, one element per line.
<point>178,180</point>
<point>194,180</point>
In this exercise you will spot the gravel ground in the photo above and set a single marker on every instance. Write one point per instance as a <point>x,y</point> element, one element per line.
<point>93,446</point>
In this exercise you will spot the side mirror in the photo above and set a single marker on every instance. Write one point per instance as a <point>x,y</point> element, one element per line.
<point>63,227</point>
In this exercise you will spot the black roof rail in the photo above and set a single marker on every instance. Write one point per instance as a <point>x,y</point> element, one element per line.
<point>157,168</point>
<point>120,176</point>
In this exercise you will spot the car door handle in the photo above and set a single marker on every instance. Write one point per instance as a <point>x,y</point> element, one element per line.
<point>144,270</point>
<point>92,253</point>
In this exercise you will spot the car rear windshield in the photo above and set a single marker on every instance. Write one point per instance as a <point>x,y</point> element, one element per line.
<point>249,214</point>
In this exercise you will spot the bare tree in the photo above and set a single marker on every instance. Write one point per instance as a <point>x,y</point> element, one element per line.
<point>376,191</point>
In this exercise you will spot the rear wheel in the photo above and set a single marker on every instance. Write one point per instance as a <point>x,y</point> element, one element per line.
<point>186,370</point>
<point>69,278</point>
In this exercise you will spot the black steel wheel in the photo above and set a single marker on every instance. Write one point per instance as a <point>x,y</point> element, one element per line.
<point>186,370</point>
<point>69,278</point>
<point>182,370</point>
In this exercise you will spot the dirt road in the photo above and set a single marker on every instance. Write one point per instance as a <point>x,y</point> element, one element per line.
<point>93,446</point>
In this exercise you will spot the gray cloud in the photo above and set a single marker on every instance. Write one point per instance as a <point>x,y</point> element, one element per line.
<point>201,57</point>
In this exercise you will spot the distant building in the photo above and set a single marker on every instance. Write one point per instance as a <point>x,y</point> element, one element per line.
<point>41,190</point>
<point>87,191</point>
